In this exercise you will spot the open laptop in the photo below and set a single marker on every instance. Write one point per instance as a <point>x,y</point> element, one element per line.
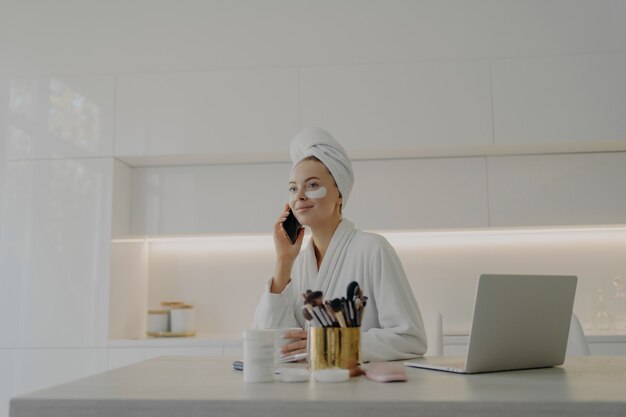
<point>519,322</point>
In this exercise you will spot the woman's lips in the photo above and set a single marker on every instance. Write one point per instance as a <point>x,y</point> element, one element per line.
<point>305,208</point>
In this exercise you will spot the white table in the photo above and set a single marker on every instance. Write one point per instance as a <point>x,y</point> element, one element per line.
<point>192,386</point>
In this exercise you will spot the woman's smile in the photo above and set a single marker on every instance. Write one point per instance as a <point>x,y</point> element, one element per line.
<point>303,209</point>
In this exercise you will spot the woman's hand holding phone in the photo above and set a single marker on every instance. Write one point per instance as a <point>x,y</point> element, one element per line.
<point>286,252</point>
<point>285,249</point>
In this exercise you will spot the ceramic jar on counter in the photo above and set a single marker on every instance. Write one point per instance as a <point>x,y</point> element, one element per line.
<point>175,318</point>
<point>182,318</point>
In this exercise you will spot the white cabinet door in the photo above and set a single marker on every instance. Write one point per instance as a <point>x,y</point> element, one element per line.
<point>54,277</point>
<point>383,108</point>
<point>559,99</point>
<point>419,193</point>
<point>58,117</point>
<point>557,190</point>
<point>215,113</point>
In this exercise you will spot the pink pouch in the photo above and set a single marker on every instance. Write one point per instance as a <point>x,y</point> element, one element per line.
<point>385,372</point>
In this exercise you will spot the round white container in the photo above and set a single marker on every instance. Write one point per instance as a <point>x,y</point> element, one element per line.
<point>258,355</point>
<point>182,319</point>
<point>158,321</point>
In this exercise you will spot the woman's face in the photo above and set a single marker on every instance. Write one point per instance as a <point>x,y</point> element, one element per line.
<point>313,195</point>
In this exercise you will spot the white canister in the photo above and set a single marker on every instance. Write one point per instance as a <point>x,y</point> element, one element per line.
<point>258,355</point>
<point>158,321</point>
<point>182,319</point>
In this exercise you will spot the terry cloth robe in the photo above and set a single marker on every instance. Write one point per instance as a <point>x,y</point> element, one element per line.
<point>392,326</point>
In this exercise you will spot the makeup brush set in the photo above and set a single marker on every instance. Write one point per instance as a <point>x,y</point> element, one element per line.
<point>340,312</point>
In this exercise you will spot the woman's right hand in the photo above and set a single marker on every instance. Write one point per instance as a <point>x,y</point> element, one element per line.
<point>286,253</point>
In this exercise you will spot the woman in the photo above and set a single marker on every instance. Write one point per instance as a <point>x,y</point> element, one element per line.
<point>319,187</point>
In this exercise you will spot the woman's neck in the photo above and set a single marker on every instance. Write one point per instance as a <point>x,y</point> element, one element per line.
<point>322,236</point>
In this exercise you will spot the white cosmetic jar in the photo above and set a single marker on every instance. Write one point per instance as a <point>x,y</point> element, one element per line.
<point>158,321</point>
<point>182,319</point>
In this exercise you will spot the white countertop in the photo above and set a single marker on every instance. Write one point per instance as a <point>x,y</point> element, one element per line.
<point>210,340</point>
<point>197,386</point>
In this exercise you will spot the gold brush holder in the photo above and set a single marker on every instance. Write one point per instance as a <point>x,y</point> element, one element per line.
<point>334,347</point>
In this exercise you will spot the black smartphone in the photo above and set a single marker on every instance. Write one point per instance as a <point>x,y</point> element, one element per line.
<point>292,226</point>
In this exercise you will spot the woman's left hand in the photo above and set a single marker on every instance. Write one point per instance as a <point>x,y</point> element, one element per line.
<point>298,346</point>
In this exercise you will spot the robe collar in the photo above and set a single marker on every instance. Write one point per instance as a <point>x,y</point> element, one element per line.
<point>328,275</point>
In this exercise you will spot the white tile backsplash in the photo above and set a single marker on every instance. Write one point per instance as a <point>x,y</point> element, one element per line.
<point>557,189</point>
<point>223,277</point>
<point>396,107</point>
<point>55,268</point>
<point>58,117</point>
<point>559,99</point>
<point>216,112</point>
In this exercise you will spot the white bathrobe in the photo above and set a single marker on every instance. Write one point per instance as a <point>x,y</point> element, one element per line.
<point>392,326</point>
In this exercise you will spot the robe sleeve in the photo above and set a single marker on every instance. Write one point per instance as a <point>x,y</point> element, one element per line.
<point>401,334</point>
<point>276,310</point>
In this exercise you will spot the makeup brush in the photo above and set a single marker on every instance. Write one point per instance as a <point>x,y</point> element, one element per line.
<point>331,313</point>
<point>316,299</point>
<point>363,309</point>
<point>351,291</point>
<point>319,311</point>
<point>357,310</point>
<point>345,307</point>
<point>311,313</point>
<point>307,315</point>
<point>337,309</point>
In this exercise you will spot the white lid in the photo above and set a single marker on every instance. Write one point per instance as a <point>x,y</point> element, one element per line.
<point>255,334</point>
<point>294,375</point>
<point>332,375</point>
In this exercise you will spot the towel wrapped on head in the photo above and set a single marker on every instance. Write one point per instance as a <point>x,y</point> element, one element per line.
<point>313,141</point>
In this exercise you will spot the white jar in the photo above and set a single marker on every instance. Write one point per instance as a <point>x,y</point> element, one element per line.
<point>182,319</point>
<point>158,321</point>
<point>258,355</point>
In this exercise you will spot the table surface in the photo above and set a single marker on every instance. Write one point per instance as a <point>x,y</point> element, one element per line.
<point>198,386</point>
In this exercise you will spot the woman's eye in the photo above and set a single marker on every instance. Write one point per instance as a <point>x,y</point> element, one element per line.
<point>292,189</point>
<point>313,185</point>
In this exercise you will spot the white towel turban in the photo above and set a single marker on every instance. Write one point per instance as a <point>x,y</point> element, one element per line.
<point>313,141</point>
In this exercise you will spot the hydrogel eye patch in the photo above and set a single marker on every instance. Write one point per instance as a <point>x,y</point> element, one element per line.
<point>319,193</point>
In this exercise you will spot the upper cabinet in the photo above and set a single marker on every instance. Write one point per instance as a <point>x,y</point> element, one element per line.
<point>555,190</point>
<point>559,99</point>
<point>58,117</point>
<point>240,114</point>
<point>381,109</point>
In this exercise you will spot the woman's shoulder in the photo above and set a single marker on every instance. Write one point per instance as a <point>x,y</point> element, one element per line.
<point>371,241</point>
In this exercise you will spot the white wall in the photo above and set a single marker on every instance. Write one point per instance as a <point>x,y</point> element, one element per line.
<point>84,82</point>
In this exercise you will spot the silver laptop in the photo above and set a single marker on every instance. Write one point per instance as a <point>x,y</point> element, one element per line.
<point>519,322</point>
